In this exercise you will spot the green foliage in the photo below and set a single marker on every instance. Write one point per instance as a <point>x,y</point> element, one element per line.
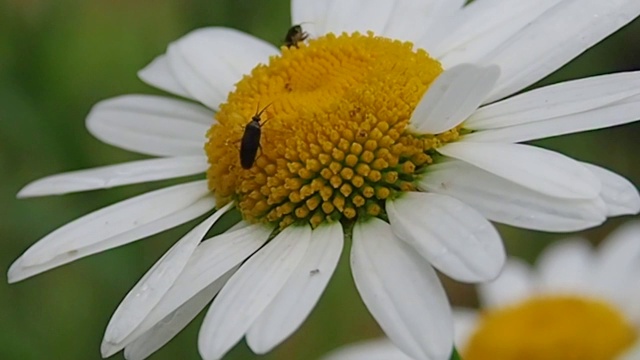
<point>455,355</point>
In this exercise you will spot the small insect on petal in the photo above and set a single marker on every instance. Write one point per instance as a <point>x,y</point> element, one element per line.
<point>295,35</point>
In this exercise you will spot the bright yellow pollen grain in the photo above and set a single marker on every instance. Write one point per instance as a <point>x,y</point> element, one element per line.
<point>334,142</point>
<point>543,328</point>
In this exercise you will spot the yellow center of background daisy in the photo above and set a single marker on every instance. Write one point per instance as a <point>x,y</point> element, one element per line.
<point>333,143</point>
<point>545,328</point>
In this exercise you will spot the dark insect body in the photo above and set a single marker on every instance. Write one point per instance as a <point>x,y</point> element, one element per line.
<point>251,140</point>
<point>295,35</point>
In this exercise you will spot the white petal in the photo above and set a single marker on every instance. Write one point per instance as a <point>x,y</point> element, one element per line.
<point>151,125</point>
<point>620,195</point>
<point>565,266</point>
<point>428,13</point>
<point>378,349</point>
<point>105,177</point>
<point>566,98</point>
<point>555,38</point>
<point>156,282</point>
<point>465,322</point>
<point>455,238</point>
<point>172,324</point>
<point>311,14</point>
<point>301,292</point>
<point>617,260</point>
<point>621,249</point>
<point>115,225</point>
<point>480,27</point>
<point>621,112</point>
<point>515,284</point>
<point>402,292</point>
<point>251,290</point>
<point>629,305</point>
<point>506,202</point>
<point>159,75</point>
<point>208,62</point>
<point>453,97</point>
<point>211,260</point>
<point>358,15</point>
<point>542,170</point>
<point>444,18</point>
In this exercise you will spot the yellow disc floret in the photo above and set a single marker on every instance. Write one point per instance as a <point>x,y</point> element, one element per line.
<point>334,143</point>
<point>567,328</point>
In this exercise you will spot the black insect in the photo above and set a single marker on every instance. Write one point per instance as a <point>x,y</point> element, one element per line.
<point>251,140</point>
<point>295,35</point>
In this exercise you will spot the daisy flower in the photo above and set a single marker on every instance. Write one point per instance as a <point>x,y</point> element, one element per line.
<point>382,124</point>
<point>576,303</point>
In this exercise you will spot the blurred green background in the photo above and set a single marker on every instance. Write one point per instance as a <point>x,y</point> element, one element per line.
<point>58,58</point>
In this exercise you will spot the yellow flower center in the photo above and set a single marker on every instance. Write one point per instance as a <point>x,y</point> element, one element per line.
<point>333,137</point>
<point>544,328</point>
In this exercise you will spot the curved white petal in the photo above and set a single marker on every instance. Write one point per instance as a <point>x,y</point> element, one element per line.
<point>620,112</point>
<point>115,225</point>
<point>557,100</point>
<point>105,177</point>
<point>411,20</point>
<point>555,38</point>
<point>151,125</point>
<point>617,262</point>
<point>159,75</point>
<point>455,238</point>
<point>211,260</point>
<point>358,15</point>
<point>402,292</point>
<point>622,244</point>
<point>208,62</point>
<point>618,193</point>
<point>377,349</point>
<point>453,97</point>
<point>172,324</point>
<point>506,202</point>
<point>516,283</point>
<point>156,282</point>
<point>302,291</point>
<point>481,27</point>
<point>542,170</point>
<point>250,290</point>
<point>565,266</point>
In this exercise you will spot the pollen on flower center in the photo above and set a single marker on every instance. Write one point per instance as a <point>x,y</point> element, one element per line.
<point>552,328</point>
<point>334,142</point>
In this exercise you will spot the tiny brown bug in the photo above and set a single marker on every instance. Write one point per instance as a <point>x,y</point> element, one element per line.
<point>251,140</point>
<point>295,35</point>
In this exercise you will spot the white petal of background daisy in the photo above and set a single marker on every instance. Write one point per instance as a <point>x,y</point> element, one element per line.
<point>576,301</point>
<point>378,146</point>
